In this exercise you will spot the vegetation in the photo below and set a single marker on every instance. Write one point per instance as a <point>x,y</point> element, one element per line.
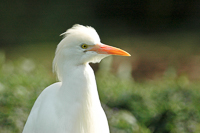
<point>168,105</point>
<point>156,90</point>
<point>163,104</point>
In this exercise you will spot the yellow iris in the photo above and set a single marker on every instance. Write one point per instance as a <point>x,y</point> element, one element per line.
<point>84,46</point>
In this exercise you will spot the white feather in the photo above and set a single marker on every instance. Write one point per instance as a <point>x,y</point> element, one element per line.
<point>72,105</point>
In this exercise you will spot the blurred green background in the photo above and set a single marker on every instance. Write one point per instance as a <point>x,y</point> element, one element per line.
<point>156,90</point>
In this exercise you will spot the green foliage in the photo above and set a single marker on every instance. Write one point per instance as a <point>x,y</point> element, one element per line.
<point>167,105</point>
<point>161,106</point>
<point>21,82</point>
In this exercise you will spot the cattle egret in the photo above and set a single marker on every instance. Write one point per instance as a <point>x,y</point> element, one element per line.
<point>72,105</point>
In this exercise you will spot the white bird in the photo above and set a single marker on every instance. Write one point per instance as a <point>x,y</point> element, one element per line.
<point>72,105</point>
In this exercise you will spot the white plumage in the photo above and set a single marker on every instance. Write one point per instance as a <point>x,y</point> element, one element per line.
<point>72,105</point>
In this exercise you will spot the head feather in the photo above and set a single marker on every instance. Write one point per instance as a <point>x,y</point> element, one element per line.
<point>77,32</point>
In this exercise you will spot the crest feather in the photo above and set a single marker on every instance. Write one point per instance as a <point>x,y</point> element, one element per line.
<point>79,28</point>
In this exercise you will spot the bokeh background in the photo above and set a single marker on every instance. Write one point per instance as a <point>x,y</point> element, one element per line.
<point>156,90</point>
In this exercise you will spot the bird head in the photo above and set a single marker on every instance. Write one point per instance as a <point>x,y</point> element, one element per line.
<point>80,45</point>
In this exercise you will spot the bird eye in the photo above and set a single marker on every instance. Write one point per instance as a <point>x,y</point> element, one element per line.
<point>84,46</point>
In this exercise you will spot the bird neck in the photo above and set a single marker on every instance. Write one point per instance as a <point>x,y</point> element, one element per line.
<point>79,85</point>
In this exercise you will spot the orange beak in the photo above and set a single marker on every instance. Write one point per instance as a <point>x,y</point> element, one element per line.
<point>105,49</point>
